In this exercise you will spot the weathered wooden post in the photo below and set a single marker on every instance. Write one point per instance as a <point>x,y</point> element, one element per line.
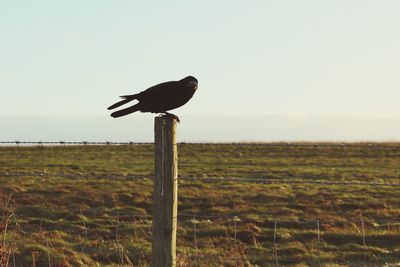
<point>165,193</point>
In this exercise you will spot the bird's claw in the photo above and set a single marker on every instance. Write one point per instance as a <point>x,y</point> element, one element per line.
<point>172,116</point>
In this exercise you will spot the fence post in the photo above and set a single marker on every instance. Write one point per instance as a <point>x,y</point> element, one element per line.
<point>165,193</point>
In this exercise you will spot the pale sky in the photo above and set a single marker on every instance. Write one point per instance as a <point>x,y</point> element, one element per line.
<point>288,58</point>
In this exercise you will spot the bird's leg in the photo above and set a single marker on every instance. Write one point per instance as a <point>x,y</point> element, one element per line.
<point>172,115</point>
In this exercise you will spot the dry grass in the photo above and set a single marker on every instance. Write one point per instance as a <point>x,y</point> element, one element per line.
<point>5,245</point>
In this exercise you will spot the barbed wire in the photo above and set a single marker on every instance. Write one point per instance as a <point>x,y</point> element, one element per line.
<point>293,181</point>
<point>189,216</point>
<point>267,219</point>
<point>394,145</point>
<point>76,176</point>
<point>286,181</point>
<point>72,143</point>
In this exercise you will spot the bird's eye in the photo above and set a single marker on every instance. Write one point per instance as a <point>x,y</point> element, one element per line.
<point>192,84</point>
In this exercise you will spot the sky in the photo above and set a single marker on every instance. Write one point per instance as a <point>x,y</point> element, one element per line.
<point>300,66</point>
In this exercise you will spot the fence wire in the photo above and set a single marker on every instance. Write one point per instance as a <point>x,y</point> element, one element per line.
<point>72,143</point>
<point>195,217</point>
<point>288,181</point>
<point>394,145</point>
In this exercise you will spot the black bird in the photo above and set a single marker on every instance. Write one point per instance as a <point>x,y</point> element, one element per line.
<point>159,98</point>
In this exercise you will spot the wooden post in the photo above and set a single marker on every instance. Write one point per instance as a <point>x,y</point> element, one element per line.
<point>165,193</point>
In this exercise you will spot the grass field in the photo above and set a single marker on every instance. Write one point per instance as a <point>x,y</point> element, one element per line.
<point>91,205</point>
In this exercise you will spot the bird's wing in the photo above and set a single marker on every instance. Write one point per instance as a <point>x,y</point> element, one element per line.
<point>160,90</point>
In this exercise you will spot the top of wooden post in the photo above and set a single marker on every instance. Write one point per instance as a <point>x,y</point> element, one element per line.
<point>167,117</point>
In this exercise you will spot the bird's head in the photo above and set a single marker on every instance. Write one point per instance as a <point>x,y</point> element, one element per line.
<point>190,82</point>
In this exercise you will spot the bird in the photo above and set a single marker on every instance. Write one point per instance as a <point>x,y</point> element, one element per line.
<point>159,98</point>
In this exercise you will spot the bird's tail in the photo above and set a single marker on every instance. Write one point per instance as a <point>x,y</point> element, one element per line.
<point>125,111</point>
<point>127,98</point>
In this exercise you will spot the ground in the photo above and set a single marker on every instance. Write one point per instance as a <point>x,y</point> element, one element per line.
<point>92,205</point>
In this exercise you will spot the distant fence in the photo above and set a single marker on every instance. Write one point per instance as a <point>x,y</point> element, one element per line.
<point>266,144</point>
